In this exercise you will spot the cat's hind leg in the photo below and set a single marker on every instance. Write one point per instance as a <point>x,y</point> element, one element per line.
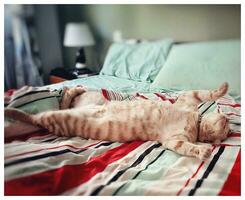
<point>185,148</point>
<point>212,95</point>
<point>192,99</point>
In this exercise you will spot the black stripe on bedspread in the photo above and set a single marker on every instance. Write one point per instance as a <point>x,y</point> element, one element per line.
<point>121,172</point>
<point>48,140</point>
<point>160,154</point>
<point>29,93</point>
<point>208,170</point>
<point>54,153</point>
<point>103,144</point>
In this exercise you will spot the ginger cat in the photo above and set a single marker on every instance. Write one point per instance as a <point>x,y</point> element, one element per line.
<point>177,126</point>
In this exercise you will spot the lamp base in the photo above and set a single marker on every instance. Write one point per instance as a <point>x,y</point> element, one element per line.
<point>80,66</point>
<point>80,59</point>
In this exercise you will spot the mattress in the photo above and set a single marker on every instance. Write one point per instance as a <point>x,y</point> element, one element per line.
<point>40,163</point>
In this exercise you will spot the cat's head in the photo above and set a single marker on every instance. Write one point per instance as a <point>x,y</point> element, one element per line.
<point>214,128</point>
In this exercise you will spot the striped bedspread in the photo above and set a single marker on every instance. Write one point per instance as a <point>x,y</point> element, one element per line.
<point>40,163</point>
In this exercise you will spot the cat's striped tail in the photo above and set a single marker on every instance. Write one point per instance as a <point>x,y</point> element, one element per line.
<point>18,115</point>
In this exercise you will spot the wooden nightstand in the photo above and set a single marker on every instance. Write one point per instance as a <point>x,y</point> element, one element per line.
<point>56,79</point>
<point>58,75</point>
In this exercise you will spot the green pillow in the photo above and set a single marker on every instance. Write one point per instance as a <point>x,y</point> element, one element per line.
<point>139,62</point>
<point>203,65</point>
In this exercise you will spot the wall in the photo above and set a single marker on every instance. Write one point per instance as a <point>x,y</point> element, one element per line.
<point>49,39</point>
<point>180,22</point>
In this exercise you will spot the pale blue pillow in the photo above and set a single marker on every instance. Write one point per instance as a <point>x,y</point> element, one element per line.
<point>203,65</point>
<point>140,62</point>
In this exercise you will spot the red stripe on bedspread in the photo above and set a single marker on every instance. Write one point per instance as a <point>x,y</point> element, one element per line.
<point>232,186</point>
<point>234,114</point>
<point>232,105</point>
<point>59,180</point>
<point>141,96</point>
<point>105,95</point>
<point>164,98</point>
<point>10,92</point>
<point>233,134</point>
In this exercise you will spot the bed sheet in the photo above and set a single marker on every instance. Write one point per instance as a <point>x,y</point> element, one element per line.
<point>107,82</point>
<point>40,163</point>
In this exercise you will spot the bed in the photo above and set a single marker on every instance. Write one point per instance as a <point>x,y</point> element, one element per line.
<point>40,163</point>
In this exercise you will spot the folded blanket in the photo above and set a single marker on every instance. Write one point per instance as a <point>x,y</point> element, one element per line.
<point>31,100</point>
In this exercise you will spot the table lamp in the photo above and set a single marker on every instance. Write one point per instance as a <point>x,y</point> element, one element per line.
<point>78,35</point>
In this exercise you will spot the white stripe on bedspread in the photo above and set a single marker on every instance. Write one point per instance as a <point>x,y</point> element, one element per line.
<point>175,178</point>
<point>213,184</point>
<point>53,162</point>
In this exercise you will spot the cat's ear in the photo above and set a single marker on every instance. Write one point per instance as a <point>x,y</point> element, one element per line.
<point>220,112</point>
<point>223,114</point>
<point>217,111</point>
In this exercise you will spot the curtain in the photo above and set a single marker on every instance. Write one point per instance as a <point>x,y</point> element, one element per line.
<point>21,67</point>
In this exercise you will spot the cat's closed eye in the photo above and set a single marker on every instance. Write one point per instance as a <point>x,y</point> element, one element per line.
<point>212,132</point>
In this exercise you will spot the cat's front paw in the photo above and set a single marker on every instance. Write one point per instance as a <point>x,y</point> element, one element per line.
<point>79,90</point>
<point>204,152</point>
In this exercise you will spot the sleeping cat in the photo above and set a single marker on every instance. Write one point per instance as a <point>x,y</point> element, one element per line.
<point>176,126</point>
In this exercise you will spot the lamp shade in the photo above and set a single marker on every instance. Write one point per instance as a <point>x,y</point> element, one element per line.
<point>78,35</point>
